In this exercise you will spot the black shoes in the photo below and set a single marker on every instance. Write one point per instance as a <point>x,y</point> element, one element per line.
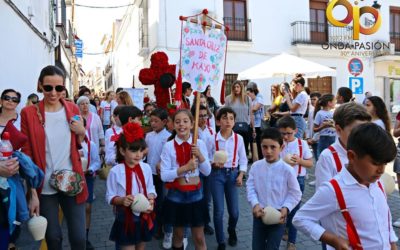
<point>221,246</point>
<point>208,230</point>
<point>89,245</point>
<point>232,240</point>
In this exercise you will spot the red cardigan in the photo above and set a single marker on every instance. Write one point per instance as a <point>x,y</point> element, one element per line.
<point>36,145</point>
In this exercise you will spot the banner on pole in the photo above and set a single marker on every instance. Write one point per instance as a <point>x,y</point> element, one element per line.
<point>203,55</point>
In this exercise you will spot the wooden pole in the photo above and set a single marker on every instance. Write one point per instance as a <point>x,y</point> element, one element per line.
<point>196,117</point>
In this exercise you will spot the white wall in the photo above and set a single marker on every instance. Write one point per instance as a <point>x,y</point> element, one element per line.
<point>23,53</point>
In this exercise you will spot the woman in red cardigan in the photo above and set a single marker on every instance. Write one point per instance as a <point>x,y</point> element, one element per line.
<point>54,135</point>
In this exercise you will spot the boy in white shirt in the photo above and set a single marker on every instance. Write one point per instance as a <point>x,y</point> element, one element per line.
<point>155,141</point>
<point>226,177</point>
<point>352,207</point>
<point>272,182</point>
<point>207,135</point>
<point>332,160</point>
<point>300,159</point>
<point>112,133</point>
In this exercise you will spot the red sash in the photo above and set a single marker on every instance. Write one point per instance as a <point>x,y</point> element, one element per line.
<point>235,139</point>
<point>354,238</point>
<point>142,188</point>
<point>300,154</point>
<point>336,158</point>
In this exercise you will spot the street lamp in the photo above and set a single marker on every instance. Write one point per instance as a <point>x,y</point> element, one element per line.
<point>376,5</point>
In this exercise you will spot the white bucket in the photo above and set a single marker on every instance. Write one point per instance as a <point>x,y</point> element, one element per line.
<point>388,183</point>
<point>37,225</point>
<point>140,203</point>
<point>271,216</point>
<point>220,156</point>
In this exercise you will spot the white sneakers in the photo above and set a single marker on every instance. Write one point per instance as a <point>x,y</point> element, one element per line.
<point>311,183</point>
<point>396,223</point>
<point>167,242</point>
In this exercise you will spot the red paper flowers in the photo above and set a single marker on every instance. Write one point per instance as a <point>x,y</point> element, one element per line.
<point>132,132</point>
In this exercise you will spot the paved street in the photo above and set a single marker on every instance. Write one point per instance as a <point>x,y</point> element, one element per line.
<point>102,219</point>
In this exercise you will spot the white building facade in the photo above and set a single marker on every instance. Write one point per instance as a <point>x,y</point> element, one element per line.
<point>260,30</point>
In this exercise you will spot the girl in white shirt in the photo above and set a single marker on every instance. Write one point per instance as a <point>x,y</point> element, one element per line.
<point>377,109</point>
<point>323,122</point>
<point>127,179</point>
<point>181,163</point>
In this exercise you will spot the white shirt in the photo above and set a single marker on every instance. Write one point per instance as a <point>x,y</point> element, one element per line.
<point>228,145</point>
<point>325,168</point>
<point>116,182</point>
<point>320,117</point>
<point>293,148</point>
<point>169,165</point>
<point>95,162</point>
<point>155,142</point>
<point>301,99</point>
<point>211,120</point>
<point>58,146</point>
<point>108,109</point>
<point>380,123</point>
<point>310,122</point>
<point>95,132</point>
<point>368,209</point>
<point>110,154</point>
<point>208,137</point>
<point>273,184</point>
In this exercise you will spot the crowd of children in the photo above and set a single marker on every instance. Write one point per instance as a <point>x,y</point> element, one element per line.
<point>183,178</point>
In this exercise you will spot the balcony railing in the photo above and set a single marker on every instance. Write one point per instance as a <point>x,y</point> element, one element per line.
<point>395,38</point>
<point>239,29</point>
<point>319,33</point>
<point>69,42</point>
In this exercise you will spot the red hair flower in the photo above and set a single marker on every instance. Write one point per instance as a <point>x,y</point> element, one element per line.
<point>132,132</point>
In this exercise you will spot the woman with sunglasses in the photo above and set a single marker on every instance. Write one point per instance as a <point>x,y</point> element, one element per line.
<point>55,130</point>
<point>9,102</point>
<point>32,99</point>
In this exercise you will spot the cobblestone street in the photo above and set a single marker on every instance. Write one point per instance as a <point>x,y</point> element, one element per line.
<point>102,219</point>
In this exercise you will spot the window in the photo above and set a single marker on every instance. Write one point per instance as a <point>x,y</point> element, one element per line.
<point>318,23</point>
<point>235,17</point>
<point>322,85</point>
<point>395,27</point>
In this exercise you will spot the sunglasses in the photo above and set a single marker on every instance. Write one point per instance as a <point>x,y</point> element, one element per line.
<point>49,88</point>
<point>11,98</point>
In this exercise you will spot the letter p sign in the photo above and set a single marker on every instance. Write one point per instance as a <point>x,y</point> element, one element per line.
<point>356,84</point>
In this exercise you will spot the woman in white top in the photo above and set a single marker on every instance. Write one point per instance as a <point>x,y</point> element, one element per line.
<point>8,104</point>
<point>94,128</point>
<point>377,109</point>
<point>107,107</point>
<point>298,105</point>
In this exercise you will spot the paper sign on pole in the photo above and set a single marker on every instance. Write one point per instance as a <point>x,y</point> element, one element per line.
<point>203,55</point>
<point>137,96</point>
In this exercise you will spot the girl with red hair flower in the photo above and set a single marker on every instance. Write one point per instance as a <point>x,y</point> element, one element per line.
<point>126,180</point>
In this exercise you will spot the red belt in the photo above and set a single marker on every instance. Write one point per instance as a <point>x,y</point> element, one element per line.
<point>183,188</point>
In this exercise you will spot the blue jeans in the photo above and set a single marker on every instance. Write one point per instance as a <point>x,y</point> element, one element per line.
<point>223,182</point>
<point>292,230</point>
<point>314,147</point>
<point>324,142</point>
<point>266,236</point>
<point>300,125</point>
<point>206,187</point>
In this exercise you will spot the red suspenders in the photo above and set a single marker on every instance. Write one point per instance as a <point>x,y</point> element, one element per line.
<point>300,154</point>
<point>234,150</point>
<point>336,158</point>
<point>354,238</point>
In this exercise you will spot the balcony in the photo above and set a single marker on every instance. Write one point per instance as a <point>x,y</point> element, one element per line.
<point>395,39</point>
<point>69,42</point>
<point>320,33</point>
<point>239,29</point>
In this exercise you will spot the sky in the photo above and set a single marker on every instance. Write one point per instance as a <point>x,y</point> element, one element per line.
<point>92,24</point>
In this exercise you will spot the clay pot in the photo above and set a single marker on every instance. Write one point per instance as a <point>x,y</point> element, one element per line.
<point>220,156</point>
<point>140,203</point>
<point>37,225</point>
<point>271,216</point>
<point>388,183</point>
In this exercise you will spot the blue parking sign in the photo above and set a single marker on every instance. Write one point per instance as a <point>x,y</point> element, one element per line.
<point>356,84</point>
